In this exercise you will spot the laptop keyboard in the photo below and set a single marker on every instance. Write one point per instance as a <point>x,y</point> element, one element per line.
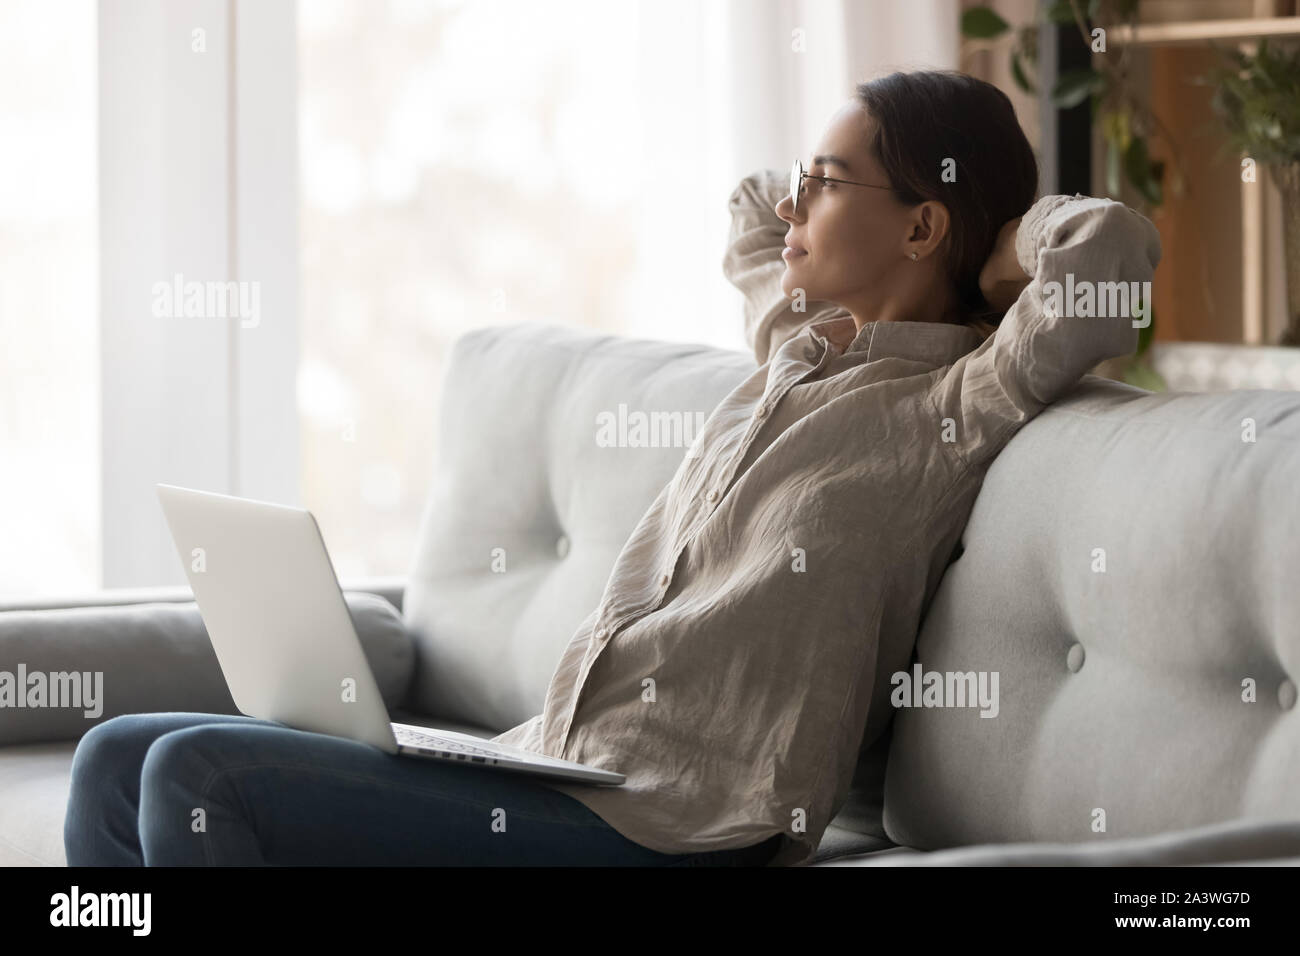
<point>413,738</point>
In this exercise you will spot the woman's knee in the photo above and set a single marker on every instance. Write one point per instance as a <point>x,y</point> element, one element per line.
<point>172,754</point>
<point>182,784</point>
<point>116,745</point>
<point>183,764</point>
<point>166,785</point>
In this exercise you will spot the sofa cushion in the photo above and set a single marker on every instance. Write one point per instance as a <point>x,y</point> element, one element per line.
<point>34,782</point>
<point>528,512</point>
<point>156,657</point>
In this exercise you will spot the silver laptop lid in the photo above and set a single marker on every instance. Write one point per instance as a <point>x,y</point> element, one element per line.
<point>275,614</point>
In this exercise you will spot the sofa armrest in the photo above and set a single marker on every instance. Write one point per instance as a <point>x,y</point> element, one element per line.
<point>151,657</point>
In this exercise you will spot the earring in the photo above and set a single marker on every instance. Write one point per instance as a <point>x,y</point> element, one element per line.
<point>913,256</point>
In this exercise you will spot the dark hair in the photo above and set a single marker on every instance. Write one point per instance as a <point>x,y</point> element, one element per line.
<point>926,117</point>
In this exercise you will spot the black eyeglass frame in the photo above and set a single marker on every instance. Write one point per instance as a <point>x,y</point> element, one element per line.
<point>798,175</point>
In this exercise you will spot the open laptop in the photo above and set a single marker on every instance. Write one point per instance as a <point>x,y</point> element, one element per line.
<point>286,643</point>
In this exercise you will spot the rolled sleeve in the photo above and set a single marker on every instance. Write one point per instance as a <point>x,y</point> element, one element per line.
<point>753,264</point>
<point>1041,348</point>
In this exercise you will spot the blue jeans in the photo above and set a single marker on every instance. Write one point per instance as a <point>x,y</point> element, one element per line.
<point>177,789</point>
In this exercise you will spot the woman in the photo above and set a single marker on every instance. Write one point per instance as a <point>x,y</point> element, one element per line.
<point>737,670</point>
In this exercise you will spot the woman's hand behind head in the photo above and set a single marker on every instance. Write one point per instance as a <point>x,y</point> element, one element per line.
<point>1002,279</point>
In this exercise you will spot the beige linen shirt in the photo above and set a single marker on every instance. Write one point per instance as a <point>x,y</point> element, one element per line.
<point>739,661</point>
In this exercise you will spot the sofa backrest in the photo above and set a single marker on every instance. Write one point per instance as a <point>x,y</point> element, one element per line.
<point>1131,570</point>
<point>530,506</point>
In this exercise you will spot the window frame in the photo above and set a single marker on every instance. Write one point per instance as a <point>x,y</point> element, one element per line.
<point>198,170</point>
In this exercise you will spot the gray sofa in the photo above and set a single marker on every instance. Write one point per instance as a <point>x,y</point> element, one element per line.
<point>1128,571</point>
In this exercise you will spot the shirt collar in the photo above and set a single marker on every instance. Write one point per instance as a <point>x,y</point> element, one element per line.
<point>940,343</point>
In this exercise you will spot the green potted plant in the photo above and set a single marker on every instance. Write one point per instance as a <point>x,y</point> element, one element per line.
<point>1257,96</point>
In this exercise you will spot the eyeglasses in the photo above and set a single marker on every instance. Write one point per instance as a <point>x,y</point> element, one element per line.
<point>797,176</point>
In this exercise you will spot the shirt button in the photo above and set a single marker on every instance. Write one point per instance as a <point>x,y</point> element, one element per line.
<point>712,495</point>
<point>763,410</point>
<point>663,581</point>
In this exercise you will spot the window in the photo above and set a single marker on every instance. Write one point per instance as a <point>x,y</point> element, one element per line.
<point>472,163</point>
<point>49,363</point>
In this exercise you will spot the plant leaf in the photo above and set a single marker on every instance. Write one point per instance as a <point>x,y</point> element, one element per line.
<point>1123,127</point>
<point>1140,371</point>
<point>1114,161</point>
<point>1139,170</point>
<point>1018,74</point>
<point>1074,86</point>
<point>1144,376</point>
<point>1027,44</point>
<point>1145,338</point>
<point>981,23</point>
<point>1060,11</point>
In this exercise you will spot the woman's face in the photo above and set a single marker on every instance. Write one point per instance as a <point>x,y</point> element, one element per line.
<point>849,239</point>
